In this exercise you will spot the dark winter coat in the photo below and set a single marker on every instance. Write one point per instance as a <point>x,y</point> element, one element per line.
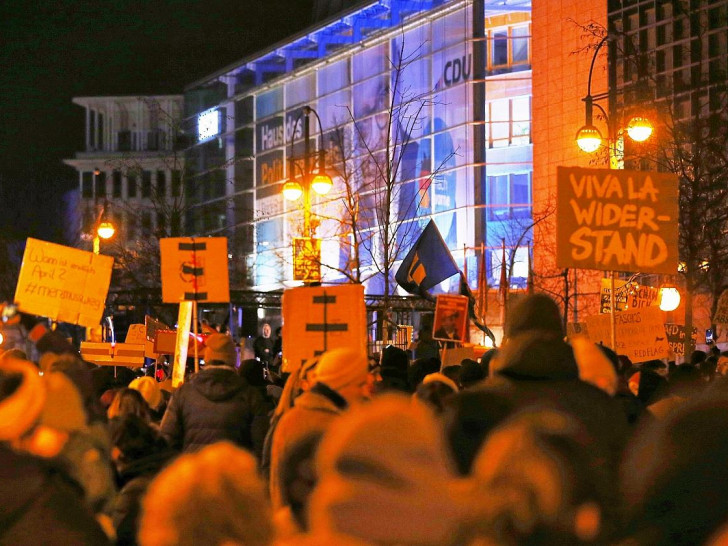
<point>134,480</point>
<point>214,405</point>
<point>41,505</point>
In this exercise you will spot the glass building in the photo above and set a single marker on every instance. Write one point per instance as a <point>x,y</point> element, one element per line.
<point>427,102</point>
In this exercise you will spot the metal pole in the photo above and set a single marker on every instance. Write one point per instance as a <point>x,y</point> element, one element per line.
<point>613,311</point>
<point>307,174</point>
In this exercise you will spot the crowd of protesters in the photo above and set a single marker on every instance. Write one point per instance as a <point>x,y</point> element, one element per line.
<point>545,440</point>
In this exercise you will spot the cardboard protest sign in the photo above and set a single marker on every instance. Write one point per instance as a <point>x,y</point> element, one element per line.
<point>628,295</point>
<point>130,355</point>
<point>451,318</point>
<point>137,334</point>
<point>676,338</point>
<point>640,333</point>
<point>317,319</point>
<point>194,269</point>
<point>721,312</point>
<point>576,329</point>
<point>617,220</point>
<point>62,283</point>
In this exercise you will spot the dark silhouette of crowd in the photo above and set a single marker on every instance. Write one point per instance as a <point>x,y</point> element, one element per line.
<point>546,440</point>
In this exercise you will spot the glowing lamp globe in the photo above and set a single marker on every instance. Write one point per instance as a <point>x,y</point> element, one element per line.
<point>669,298</point>
<point>588,138</point>
<point>322,184</point>
<point>639,129</point>
<point>292,190</point>
<point>105,230</point>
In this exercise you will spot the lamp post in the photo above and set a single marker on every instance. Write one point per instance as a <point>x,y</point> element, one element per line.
<point>589,139</point>
<point>103,229</point>
<point>318,181</point>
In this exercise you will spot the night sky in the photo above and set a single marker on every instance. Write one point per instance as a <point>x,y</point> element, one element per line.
<point>53,51</point>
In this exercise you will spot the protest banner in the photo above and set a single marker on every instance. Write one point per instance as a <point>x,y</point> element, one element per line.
<point>628,295</point>
<point>721,312</point>
<point>322,318</point>
<point>617,220</point>
<point>62,283</point>
<point>451,318</point>
<point>194,269</point>
<point>640,333</point>
<point>676,338</point>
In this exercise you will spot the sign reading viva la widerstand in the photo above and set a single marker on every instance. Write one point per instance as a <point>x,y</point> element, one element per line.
<point>616,220</point>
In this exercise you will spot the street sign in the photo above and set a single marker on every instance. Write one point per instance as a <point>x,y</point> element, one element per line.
<point>306,259</point>
<point>62,283</point>
<point>617,220</point>
<point>194,269</point>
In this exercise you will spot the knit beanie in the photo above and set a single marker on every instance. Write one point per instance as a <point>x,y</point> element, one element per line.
<point>21,407</point>
<point>535,312</point>
<point>441,378</point>
<point>341,367</point>
<point>536,355</point>
<point>385,477</point>
<point>63,408</point>
<point>220,347</point>
<point>149,389</point>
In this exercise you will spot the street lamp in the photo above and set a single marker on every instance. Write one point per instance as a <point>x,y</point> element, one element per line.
<point>588,137</point>
<point>103,228</point>
<point>319,181</point>
<point>669,298</point>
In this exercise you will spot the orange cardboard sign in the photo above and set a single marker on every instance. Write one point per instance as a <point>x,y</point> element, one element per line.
<point>617,220</point>
<point>451,318</point>
<point>194,269</point>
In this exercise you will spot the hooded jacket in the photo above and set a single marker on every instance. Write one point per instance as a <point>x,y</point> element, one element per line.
<point>40,505</point>
<point>214,405</point>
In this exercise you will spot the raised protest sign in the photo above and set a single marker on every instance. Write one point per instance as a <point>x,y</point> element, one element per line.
<point>640,333</point>
<point>194,269</point>
<point>676,338</point>
<point>322,318</point>
<point>721,312</point>
<point>62,283</point>
<point>617,220</point>
<point>113,354</point>
<point>451,318</point>
<point>628,296</point>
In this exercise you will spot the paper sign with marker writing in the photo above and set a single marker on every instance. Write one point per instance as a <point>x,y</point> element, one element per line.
<point>640,333</point>
<point>62,283</point>
<point>616,220</point>
<point>317,319</point>
<point>194,269</point>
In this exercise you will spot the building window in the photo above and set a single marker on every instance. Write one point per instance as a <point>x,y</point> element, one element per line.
<point>146,223</point>
<point>116,184</point>
<point>146,183</point>
<point>100,183</point>
<point>520,37</point>
<point>509,197</point>
<point>176,183</point>
<point>131,226</point>
<point>87,185</point>
<point>499,50</point>
<point>131,184</point>
<point>161,184</point>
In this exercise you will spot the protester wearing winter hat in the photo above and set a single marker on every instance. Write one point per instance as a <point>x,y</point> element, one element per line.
<point>341,379</point>
<point>149,389</point>
<point>213,496</point>
<point>435,390</point>
<point>216,404</point>
<point>384,476</point>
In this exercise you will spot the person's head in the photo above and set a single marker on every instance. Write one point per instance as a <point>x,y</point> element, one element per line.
<point>536,312</point>
<point>435,390</point>
<point>132,438</point>
<point>385,477</point>
<point>128,401</point>
<point>471,373</point>
<point>543,481</point>
<point>535,355</point>
<point>674,474</point>
<point>149,389</point>
<point>697,357</point>
<point>266,330</point>
<point>722,366</point>
<point>213,496</point>
<point>298,476</point>
<point>345,371</point>
<point>450,320</point>
<point>220,351</point>
<point>421,368</point>
<point>253,371</point>
<point>452,372</point>
<point>708,368</point>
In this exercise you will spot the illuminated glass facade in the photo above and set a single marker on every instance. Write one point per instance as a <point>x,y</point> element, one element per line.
<point>461,135</point>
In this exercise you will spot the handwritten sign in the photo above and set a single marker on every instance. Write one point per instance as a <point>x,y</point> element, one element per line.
<point>317,319</point>
<point>62,283</point>
<point>616,220</point>
<point>194,269</point>
<point>640,333</point>
<point>676,338</point>
<point>306,259</point>
<point>628,295</point>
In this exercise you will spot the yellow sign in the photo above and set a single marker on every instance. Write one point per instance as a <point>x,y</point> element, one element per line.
<point>316,319</point>
<point>306,259</point>
<point>130,355</point>
<point>640,333</point>
<point>616,220</point>
<point>194,269</point>
<point>137,334</point>
<point>62,283</point>
<point>721,312</point>
<point>628,295</point>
